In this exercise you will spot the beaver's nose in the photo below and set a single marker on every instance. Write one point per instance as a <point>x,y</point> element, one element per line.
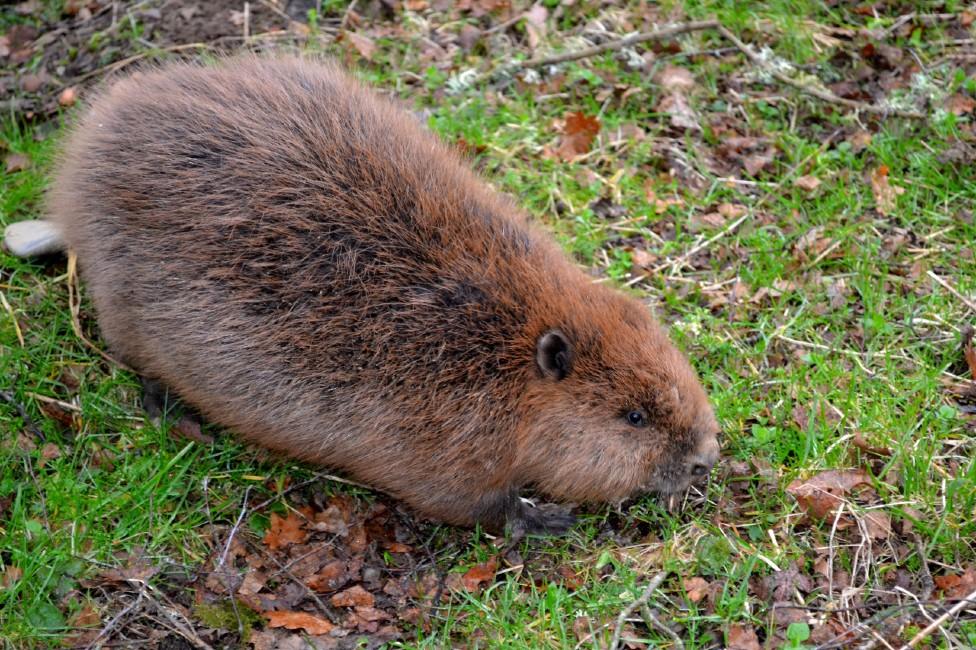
<point>705,457</point>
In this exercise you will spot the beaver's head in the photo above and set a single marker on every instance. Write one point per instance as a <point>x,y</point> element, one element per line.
<point>614,409</point>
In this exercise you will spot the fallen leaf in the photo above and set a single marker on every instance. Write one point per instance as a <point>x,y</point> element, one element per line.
<point>478,574</point>
<point>957,586</point>
<point>859,141</point>
<point>741,637</point>
<point>330,577</point>
<point>31,83</point>
<point>578,133</point>
<point>696,588</point>
<point>535,24</point>
<point>807,183</point>
<point>968,352</point>
<point>680,111</point>
<point>885,194</point>
<point>189,428</point>
<point>960,104</point>
<point>10,575</point>
<point>757,162</point>
<point>731,210</point>
<point>254,582</point>
<point>285,531</point>
<point>675,78</point>
<point>68,97</point>
<point>861,443</point>
<point>299,621</point>
<point>821,494</point>
<point>878,524</point>
<point>17,162</point>
<point>355,596</point>
<point>363,44</point>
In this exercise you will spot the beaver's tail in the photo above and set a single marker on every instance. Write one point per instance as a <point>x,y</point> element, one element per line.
<point>33,237</point>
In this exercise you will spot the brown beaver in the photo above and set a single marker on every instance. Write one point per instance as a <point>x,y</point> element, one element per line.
<point>301,261</point>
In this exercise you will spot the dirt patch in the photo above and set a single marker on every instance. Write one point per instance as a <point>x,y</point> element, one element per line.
<point>40,59</point>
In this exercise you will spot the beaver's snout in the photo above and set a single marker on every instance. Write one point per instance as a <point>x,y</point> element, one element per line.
<point>703,458</point>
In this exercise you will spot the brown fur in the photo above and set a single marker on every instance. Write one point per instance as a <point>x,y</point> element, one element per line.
<point>302,262</point>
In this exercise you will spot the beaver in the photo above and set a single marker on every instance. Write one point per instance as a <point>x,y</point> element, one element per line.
<point>305,264</point>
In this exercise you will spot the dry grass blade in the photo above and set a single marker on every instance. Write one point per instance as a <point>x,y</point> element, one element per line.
<point>74,305</point>
<point>970,599</point>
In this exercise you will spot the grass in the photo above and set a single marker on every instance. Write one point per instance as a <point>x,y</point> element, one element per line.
<point>814,349</point>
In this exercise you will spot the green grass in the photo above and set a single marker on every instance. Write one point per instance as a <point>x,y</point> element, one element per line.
<point>858,341</point>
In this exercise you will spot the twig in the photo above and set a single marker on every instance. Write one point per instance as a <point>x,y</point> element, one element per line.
<point>652,621</point>
<point>629,609</point>
<point>112,624</point>
<point>820,93</point>
<point>955,609</point>
<point>9,398</point>
<point>345,16</point>
<point>74,306</point>
<point>656,35</point>
<point>505,24</point>
<point>948,287</point>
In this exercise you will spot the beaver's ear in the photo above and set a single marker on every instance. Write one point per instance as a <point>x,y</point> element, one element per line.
<point>554,354</point>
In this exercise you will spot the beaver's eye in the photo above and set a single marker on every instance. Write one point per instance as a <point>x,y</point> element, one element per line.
<point>636,418</point>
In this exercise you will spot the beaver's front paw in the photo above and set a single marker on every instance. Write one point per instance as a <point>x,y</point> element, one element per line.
<point>544,519</point>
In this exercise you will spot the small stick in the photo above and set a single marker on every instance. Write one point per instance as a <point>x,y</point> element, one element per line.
<point>657,35</point>
<point>9,398</point>
<point>820,93</point>
<point>74,306</point>
<point>955,609</point>
<point>650,620</point>
<point>629,609</point>
<point>948,287</point>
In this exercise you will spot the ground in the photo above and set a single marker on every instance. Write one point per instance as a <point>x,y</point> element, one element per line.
<point>794,199</point>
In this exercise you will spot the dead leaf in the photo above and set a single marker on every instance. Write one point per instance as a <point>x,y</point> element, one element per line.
<point>885,194</point>
<point>680,111</point>
<point>861,443</point>
<point>741,637</point>
<point>878,524</point>
<point>285,531</point>
<point>731,210</point>
<point>17,162</point>
<point>807,183</point>
<point>363,44</point>
<point>960,104</point>
<point>535,25</point>
<point>968,352</point>
<point>31,83</point>
<point>859,141</point>
<point>68,97</point>
<point>478,574</point>
<point>821,494</point>
<point>355,596</point>
<point>757,162</point>
<point>696,588</point>
<point>578,131</point>
<point>674,78</point>
<point>10,575</point>
<point>299,621</point>
<point>189,428</point>
<point>957,586</point>
<point>329,578</point>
